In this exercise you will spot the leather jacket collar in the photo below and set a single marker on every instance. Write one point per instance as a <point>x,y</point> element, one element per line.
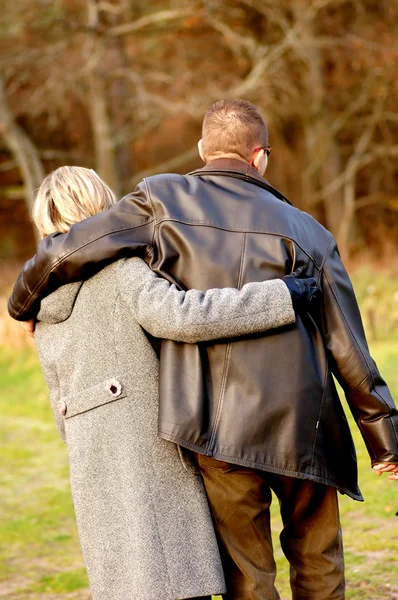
<point>231,167</point>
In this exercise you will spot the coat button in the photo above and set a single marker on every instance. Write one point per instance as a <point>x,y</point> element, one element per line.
<point>61,404</point>
<point>113,387</point>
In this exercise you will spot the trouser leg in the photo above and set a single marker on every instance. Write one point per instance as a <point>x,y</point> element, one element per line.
<point>240,499</point>
<point>311,538</point>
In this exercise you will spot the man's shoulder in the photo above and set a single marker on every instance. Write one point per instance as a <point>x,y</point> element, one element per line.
<point>285,217</point>
<point>163,179</point>
<point>310,221</point>
<point>298,219</point>
<point>313,233</point>
<point>169,192</point>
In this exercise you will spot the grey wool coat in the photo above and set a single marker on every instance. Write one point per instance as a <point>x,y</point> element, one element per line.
<point>144,523</point>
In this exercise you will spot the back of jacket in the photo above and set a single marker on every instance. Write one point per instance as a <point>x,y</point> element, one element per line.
<point>266,401</point>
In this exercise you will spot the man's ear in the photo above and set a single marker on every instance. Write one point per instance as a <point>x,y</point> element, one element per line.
<point>200,148</point>
<point>256,160</point>
<point>260,161</point>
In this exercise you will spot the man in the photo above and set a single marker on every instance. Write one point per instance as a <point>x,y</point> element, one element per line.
<point>262,412</point>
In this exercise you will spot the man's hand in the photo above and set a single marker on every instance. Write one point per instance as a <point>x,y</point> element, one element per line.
<point>29,327</point>
<point>391,468</point>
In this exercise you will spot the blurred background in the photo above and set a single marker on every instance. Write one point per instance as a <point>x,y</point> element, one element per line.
<point>121,86</point>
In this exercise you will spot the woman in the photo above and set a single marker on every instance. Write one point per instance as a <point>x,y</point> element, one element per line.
<point>141,510</point>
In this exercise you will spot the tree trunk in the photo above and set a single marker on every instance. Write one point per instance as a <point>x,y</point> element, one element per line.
<point>347,217</point>
<point>23,150</point>
<point>323,155</point>
<point>104,143</point>
<point>119,92</point>
<point>334,203</point>
<point>102,132</point>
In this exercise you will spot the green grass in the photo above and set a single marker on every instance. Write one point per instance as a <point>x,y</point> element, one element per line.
<point>39,549</point>
<point>40,558</point>
<point>370,528</point>
<point>65,581</point>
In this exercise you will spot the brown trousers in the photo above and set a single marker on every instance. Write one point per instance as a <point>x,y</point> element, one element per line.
<point>240,500</point>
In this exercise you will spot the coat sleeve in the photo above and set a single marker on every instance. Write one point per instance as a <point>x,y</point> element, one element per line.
<point>367,393</point>
<point>83,251</point>
<point>193,316</point>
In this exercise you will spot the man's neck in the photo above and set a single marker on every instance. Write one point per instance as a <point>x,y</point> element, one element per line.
<point>225,163</point>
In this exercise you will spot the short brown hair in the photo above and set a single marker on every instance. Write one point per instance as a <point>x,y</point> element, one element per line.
<point>69,195</point>
<point>233,127</point>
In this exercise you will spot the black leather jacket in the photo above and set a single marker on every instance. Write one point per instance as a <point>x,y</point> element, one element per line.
<point>266,401</point>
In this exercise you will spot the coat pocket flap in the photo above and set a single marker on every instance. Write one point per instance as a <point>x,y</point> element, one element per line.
<point>92,397</point>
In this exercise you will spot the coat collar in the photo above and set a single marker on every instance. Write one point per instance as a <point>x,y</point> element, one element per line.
<point>231,167</point>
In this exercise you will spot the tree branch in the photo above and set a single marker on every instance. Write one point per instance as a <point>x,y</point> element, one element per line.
<point>167,166</point>
<point>22,148</point>
<point>8,165</point>
<point>110,8</point>
<point>163,16</point>
<point>235,41</point>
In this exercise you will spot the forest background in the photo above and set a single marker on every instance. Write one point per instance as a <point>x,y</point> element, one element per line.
<point>121,86</point>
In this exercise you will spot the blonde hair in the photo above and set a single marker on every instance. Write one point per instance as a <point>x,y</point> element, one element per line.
<point>69,195</point>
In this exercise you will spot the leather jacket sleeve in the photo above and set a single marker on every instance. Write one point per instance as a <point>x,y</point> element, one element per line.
<point>83,251</point>
<point>367,393</point>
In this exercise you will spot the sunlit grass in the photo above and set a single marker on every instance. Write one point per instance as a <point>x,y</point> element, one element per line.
<point>40,558</point>
<point>38,538</point>
<point>370,528</point>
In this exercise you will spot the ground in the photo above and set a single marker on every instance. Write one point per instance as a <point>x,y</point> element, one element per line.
<point>40,557</point>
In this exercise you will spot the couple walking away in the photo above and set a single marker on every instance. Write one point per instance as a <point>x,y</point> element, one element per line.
<point>190,389</point>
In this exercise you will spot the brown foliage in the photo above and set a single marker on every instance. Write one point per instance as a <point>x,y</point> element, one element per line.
<point>122,87</point>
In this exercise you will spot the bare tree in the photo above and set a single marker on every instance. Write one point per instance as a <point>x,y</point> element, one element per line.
<point>125,85</point>
<point>22,148</point>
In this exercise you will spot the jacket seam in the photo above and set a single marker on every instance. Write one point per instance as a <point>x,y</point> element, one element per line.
<point>369,444</point>
<point>370,372</point>
<point>364,360</point>
<point>242,258</point>
<point>326,252</point>
<point>256,231</point>
<point>319,417</point>
<point>368,376</point>
<point>389,409</point>
<point>150,199</point>
<point>294,257</point>
<point>153,212</point>
<point>227,356</point>
<point>62,258</point>
<point>222,394</point>
<point>150,250</point>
